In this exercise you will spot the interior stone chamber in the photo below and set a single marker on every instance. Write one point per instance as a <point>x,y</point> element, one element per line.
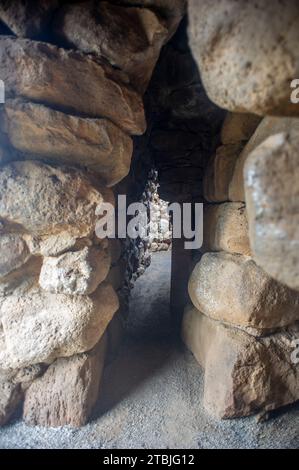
<point>99,97</point>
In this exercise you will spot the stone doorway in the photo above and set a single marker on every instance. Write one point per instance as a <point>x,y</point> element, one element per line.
<point>99,97</point>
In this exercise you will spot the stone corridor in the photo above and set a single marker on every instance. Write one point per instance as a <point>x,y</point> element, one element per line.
<point>115,102</point>
<point>151,395</point>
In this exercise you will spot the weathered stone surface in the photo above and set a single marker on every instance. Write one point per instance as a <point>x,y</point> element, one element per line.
<point>219,172</point>
<point>20,376</point>
<point>39,326</point>
<point>10,397</point>
<point>45,200</point>
<point>246,67</point>
<point>272,195</point>
<point>238,127</point>
<point>55,245</point>
<point>67,392</point>
<point>14,253</point>
<point>226,228</point>
<point>233,289</point>
<point>46,134</point>
<point>269,126</point>
<point>128,38</point>
<point>27,18</point>
<point>26,274</point>
<point>27,375</point>
<point>77,272</point>
<point>70,81</point>
<point>243,375</point>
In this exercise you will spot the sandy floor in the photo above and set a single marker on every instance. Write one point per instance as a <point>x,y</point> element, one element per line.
<point>151,394</point>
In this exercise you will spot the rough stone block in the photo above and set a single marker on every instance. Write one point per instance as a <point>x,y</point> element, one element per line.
<point>40,327</point>
<point>272,195</point>
<point>45,134</point>
<point>233,289</point>
<point>76,272</point>
<point>245,66</point>
<point>225,228</point>
<point>44,200</point>
<point>243,375</point>
<point>99,29</point>
<point>27,18</point>
<point>69,81</point>
<point>269,126</point>
<point>67,393</point>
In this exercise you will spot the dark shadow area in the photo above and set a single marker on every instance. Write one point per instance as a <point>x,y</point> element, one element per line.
<point>137,362</point>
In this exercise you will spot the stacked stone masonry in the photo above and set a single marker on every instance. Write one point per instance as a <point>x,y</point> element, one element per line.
<point>244,322</point>
<point>74,75</point>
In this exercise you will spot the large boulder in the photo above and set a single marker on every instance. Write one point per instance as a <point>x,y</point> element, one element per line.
<point>27,18</point>
<point>69,81</point>
<point>233,289</point>
<point>226,228</point>
<point>76,272</point>
<point>67,392</point>
<point>55,245</point>
<point>128,38</point>
<point>246,52</point>
<point>23,377</point>
<point>44,200</point>
<point>39,326</point>
<point>46,134</point>
<point>243,375</point>
<point>13,383</point>
<point>272,195</point>
<point>269,126</point>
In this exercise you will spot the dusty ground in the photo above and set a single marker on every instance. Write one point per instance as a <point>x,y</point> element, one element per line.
<point>151,394</point>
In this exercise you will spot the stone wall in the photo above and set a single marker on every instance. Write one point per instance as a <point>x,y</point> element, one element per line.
<point>244,319</point>
<point>74,77</point>
<point>183,132</point>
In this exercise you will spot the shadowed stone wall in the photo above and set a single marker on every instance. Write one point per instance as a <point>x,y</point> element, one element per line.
<point>97,95</point>
<point>243,323</point>
<point>74,74</point>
